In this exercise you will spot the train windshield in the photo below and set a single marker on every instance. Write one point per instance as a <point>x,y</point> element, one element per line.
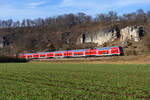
<point>121,50</point>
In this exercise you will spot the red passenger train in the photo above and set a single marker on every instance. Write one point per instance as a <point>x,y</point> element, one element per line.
<point>106,51</point>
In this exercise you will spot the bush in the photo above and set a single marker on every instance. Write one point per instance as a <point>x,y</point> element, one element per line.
<point>6,59</point>
<point>130,52</point>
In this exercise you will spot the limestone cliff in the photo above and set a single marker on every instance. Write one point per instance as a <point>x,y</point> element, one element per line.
<point>111,34</point>
<point>131,33</point>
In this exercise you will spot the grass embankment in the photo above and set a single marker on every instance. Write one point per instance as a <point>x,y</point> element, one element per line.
<point>142,59</point>
<point>45,81</point>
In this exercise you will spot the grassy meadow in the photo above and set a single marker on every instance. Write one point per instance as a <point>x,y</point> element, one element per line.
<point>46,81</point>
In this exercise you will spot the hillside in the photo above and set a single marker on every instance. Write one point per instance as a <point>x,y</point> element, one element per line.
<point>75,31</point>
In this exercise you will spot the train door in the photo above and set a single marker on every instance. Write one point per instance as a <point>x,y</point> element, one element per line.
<point>87,52</point>
<point>115,51</point>
<point>69,53</point>
<point>93,52</point>
<point>105,52</point>
<point>51,54</point>
<point>65,53</point>
<point>29,56</point>
<point>99,52</point>
<point>24,56</point>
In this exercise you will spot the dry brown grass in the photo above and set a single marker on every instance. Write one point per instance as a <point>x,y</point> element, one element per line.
<point>144,59</point>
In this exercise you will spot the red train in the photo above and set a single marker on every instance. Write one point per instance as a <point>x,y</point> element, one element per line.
<point>106,51</point>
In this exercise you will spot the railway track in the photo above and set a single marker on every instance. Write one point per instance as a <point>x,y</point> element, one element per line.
<point>78,59</point>
<point>111,59</point>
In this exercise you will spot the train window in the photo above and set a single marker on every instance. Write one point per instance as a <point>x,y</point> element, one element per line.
<point>115,50</point>
<point>35,55</point>
<point>104,52</point>
<point>78,53</point>
<point>121,49</point>
<point>30,56</point>
<point>49,54</point>
<point>42,55</point>
<point>58,54</point>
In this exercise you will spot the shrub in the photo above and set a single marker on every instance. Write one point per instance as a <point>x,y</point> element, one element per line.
<point>11,59</point>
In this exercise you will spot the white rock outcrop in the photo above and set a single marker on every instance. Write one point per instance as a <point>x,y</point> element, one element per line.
<point>109,34</point>
<point>100,37</point>
<point>130,33</point>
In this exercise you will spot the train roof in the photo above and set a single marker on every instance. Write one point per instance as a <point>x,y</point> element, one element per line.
<point>79,50</point>
<point>59,51</point>
<point>104,48</point>
<point>36,53</point>
<point>42,52</point>
<point>28,53</point>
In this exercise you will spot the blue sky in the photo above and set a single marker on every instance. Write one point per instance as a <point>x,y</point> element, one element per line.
<point>20,9</point>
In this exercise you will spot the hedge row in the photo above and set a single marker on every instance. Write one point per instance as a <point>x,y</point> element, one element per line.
<point>4,59</point>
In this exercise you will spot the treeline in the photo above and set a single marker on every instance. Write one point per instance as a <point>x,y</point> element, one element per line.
<point>61,32</point>
<point>70,20</point>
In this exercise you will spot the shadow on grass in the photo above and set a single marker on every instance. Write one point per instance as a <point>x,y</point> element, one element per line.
<point>11,59</point>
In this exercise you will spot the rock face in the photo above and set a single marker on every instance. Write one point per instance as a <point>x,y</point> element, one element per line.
<point>131,33</point>
<point>3,42</point>
<point>99,37</point>
<point>110,34</point>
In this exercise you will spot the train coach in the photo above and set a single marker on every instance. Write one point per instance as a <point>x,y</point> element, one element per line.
<point>106,51</point>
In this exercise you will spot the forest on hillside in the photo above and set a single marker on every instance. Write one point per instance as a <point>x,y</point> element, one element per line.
<point>61,32</point>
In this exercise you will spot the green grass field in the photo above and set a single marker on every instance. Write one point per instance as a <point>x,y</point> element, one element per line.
<point>45,81</point>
